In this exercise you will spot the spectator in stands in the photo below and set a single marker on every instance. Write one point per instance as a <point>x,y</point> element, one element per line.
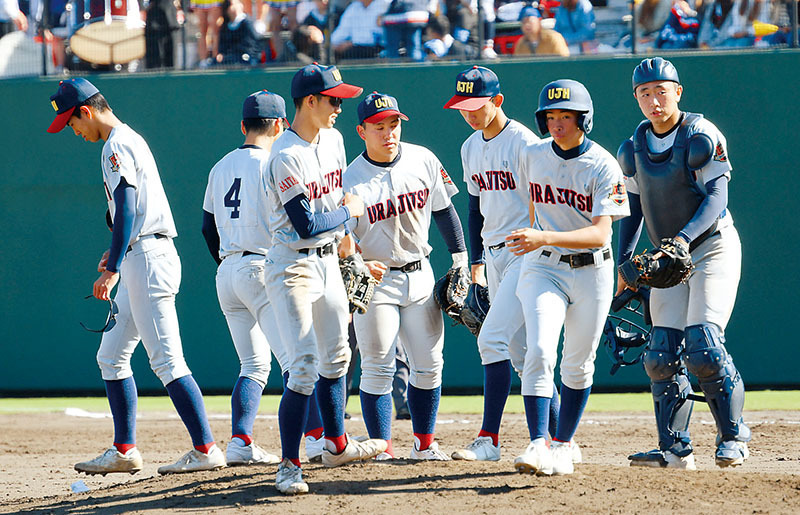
<point>575,21</point>
<point>681,28</point>
<point>486,13</point>
<point>238,39</point>
<point>308,38</point>
<point>52,17</point>
<point>462,19</point>
<point>536,40</point>
<point>729,23</point>
<point>11,18</point>
<point>440,44</point>
<point>359,35</point>
<point>651,16</point>
<point>403,23</point>
<point>164,18</point>
<point>275,10</point>
<point>207,13</point>
<point>781,16</point>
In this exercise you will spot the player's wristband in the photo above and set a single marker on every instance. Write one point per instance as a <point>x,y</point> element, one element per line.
<point>460,259</point>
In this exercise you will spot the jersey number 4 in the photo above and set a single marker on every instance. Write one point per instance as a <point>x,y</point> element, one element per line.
<point>232,197</point>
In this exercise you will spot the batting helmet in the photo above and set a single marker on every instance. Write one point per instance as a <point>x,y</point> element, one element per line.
<point>654,69</point>
<point>569,95</point>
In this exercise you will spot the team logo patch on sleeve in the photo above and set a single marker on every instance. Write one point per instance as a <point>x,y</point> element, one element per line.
<point>445,177</point>
<point>618,194</point>
<point>114,160</point>
<point>719,153</point>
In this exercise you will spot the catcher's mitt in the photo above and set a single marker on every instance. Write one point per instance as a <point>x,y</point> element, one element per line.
<point>476,306</point>
<point>450,292</point>
<point>358,282</point>
<point>664,267</point>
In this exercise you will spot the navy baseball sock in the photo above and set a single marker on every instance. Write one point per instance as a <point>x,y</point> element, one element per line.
<point>313,425</point>
<point>555,407</point>
<point>292,414</point>
<point>122,399</point>
<point>573,403</point>
<point>424,405</point>
<point>188,401</point>
<point>330,395</point>
<point>377,413</point>
<point>244,407</point>
<point>536,410</point>
<point>496,387</point>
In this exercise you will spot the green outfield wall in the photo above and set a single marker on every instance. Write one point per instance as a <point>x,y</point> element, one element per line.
<point>52,203</point>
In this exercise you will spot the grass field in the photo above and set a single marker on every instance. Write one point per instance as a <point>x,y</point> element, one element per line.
<point>600,402</point>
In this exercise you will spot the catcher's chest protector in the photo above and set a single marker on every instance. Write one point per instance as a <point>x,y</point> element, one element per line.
<point>669,194</point>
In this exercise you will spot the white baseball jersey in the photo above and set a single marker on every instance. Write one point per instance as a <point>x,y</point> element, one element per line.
<point>315,169</point>
<point>568,193</point>
<point>126,154</point>
<point>492,172</point>
<point>235,196</point>
<point>398,198</point>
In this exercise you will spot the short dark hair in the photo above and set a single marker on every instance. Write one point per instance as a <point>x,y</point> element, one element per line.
<point>298,102</point>
<point>97,102</point>
<point>258,126</point>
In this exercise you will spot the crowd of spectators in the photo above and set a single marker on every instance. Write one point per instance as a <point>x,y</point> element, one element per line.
<point>263,32</point>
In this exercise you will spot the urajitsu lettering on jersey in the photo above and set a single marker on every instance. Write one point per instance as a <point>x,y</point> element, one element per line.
<point>568,193</point>
<point>235,196</point>
<point>126,154</point>
<point>313,169</point>
<point>399,199</point>
<point>492,172</point>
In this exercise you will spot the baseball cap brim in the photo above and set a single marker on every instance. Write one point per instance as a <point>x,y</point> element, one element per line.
<point>343,91</point>
<point>375,118</point>
<point>61,121</point>
<point>466,103</point>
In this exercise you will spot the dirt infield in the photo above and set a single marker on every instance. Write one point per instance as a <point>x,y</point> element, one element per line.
<point>37,452</point>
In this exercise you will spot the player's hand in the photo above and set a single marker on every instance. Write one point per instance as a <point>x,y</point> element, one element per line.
<point>376,269</point>
<point>522,241</point>
<point>354,204</point>
<point>104,284</point>
<point>101,266</point>
<point>478,274</point>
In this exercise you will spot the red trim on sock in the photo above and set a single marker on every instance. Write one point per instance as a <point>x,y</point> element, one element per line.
<point>316,433</point>
<point>560,441</point>
<point>494,436</point>
<point>296,461</point>
<point>123,448</point>
<point>425,441</point>
<point>389,448</point>
<point>339,441</point>
<point>205,447</point>
<point>247,439</point>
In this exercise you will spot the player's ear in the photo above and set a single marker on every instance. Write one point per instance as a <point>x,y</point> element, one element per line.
<point>360,131</point>
<point>242,127</point>
<point>678,91</point>
<point>498,100</point>
<point>87,112</point>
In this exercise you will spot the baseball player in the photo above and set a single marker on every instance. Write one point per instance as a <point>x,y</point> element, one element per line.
<point>498,203</point>
<point>567,277</point>
<point>142,259</point>
<point>402,186</point>
<point>308,210</point>
<point>677,172</point>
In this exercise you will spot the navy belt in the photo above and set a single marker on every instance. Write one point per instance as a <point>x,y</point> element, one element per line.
<point>408,267</point>
<point>498,246</point>
<point>146,236</point>
<point>323,251</point>
<point>578,260</point>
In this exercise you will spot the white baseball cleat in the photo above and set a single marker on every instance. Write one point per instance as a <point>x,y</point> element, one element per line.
<point>384,456</point>
<point>238,454</point>
<point>562,458</point>
<point>112,461</point>
<point>662,459</point>
<point>577,455</point>
<point>482,449</point>
<point>289,480</point>
<point>537,459</point>
<point>314,447</point>
<point>432,453</point>
<point>195,461</point>
<point>731,453</point>
<point>354,451</point>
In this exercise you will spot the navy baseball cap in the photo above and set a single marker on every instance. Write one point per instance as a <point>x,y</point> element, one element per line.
<point>318,79</point>
<point>474,87</point>
<point>264,104</point>
<point>529,10</point>
<point>71,93</point>
<point>378,106</point>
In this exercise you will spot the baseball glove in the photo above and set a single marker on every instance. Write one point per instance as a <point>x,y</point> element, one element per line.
<point>476,306</point>
<point>358,282</point>
<point>664,267</point>
<point>450,292</point>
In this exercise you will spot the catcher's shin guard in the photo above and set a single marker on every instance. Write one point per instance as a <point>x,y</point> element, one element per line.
<point>671,388</point>
<point>721,383</point>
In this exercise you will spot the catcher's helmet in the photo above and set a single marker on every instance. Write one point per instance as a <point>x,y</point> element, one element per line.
<point>654,69</point>
<point>569,95</point>
<point>622,334</point>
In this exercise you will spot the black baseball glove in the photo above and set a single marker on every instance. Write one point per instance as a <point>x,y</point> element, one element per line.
<point>664,267</point>
<point>358,282</point>
<point>476,306</point>
<point>450,292</point>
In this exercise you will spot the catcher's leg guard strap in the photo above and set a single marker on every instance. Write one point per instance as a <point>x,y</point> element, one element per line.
<point>661,358</point>
<point>721,383</point>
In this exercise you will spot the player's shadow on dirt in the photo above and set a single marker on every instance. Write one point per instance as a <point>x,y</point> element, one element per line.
<point>253,488</point>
